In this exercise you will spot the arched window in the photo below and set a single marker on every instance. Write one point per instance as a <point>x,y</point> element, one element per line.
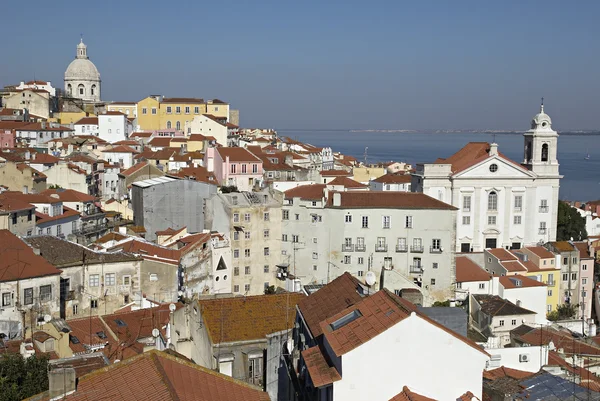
<point>69,90</point>
<point>81,89</point>
<point>93,90</point>
<point>178,125</point>
<point>168,124</point>
<point>545,152</point>
<point>493,201</point>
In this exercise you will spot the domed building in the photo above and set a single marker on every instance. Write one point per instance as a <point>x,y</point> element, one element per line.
<point>82,79</point>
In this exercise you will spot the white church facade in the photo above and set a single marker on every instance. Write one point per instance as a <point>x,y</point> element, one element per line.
<point>82,79</point>
<point>501,203</point>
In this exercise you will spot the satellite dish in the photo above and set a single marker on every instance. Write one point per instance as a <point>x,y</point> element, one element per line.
<point>370,278</point>
<point>47,318</point>
<point>172,307</point>
<point>155,333</point>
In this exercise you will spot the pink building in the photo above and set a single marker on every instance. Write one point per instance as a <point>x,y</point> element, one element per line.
<point>234,166</point>
<point>7,138</point>
<point>586,276</point>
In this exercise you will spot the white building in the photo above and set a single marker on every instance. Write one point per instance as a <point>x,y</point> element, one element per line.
<point>38,85</point>
<point>122,155</point>
<point>112,126</point>
<point>208,126</point>
<point>82,79</point>
<point>501,203</point>
<point>471,278</point>
<point>391,182</point>
<point>87,126</point>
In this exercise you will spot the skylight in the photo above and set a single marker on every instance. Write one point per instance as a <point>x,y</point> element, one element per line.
<point>73,339</point>
<point>120,323</point>
<point>101,334</point>
<point>346,319</point>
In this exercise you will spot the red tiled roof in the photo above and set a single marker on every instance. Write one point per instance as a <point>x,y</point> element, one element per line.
<point>390,178</point>
<point>387,199</point>
<point>11,204</point>
<point>308,192</point>
<point>561,339</point>
<point>588,379</point>
<point>43,158</point>
<point>112,113</point>
<point>238,155</point>
<point>408,395</point>
<point>141,134</point>
<point>69,195</point>
<point>248,318</point>
<point>112,236</point>
<point>346,182</point>
<point>470,155</point>
<point>502,254</point>
<point>335,173</point>
<point>44,218</point>
<point>86,330</point>
<point>160,141</point>
<point>120,149</point>
<point>321,374</point>
<point>147,249</point>
<point>127,142</point>
<point>329,300</point>
<point>197,137</point>
<point>19,262</point>
<point>197,173</point>
<point>584,250</point>
<point>563,246</point>
<point>508,281</point>
<point>502,371</point>
<point>31,198</point>
<point>156,375</point>
<point>87,121</point>
<point>540,251</point>
<point>182,100</point>
<point>134,168</point>
<point>513,266</point>
<point>468,271</point>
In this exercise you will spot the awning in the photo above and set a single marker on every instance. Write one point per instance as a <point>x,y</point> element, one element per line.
<point>238,228</point>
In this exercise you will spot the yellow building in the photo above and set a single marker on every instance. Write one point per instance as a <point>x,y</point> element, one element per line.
<point>218,108</point>
<point>128,108</point>
<point>66,118</point>
<point>176,111</point>
<point>148,113</point>
<point>541,265</point>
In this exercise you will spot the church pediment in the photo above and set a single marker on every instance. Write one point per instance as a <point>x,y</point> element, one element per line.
<point>491,231</point>
<point>496,167</point>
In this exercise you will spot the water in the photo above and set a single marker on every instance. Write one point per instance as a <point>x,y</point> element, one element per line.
<point>581,177</point>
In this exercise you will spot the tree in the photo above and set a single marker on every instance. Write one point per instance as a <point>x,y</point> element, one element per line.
<point>225,189</point>
<point>445,303</point>
<point>563,312</point>
<point>570,224</point>
<point>54,186</point>
<point>21,378</point>
<point>270,290</point>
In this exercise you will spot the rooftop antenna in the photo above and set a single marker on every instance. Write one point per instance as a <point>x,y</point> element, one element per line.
<point>542,107</point>
<point>366,148</point>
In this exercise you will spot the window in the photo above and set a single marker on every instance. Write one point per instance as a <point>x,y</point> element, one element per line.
<point>565,276</point>
<point>233,168</point>
<point>255,168</point>
<point>30,232</point>
<point>501,323</point>
<point>295,238</point>
<point>266,268</point>
<point>236,271</point>
<point>236,235</point>
<point>492,220</point>
<point>482,286</point>
<point>196,110</point>
<point>236,288</point>
<point>348,218</point>
<point>109,279</point>
<point>584,281</point>
<point>314,203</point>
<point>246,216</point>
<point>178,110</point>
<point>93,303</point>
<point>28,296</point>
<point>266,251</point>
<point>284,237</point>
<point>297,216</point>
<point>14,218</point>
<point>285,214</point>
<point>247,253</point>
<point>29,215</point>
<point>178,125</point>
<point>432,281</point>
<point>492,201</point>
<point>236,253</point>
<point>408,222</point>
<point>549,293</point>
<point>545,152</point>
<point>187,109</point>
<point>244,169</point>
<point>466,203</point>
<point>236,217</point>
<point>265,234</point>
<point>466,220</point>
<point>168,124</point>
<point>45,293</point>
<point>246,234</point>
<point>584,294</point>
<point>247,287</point>
<point>365,222</point>
<point>247,270</point>
<point>169,109</point>
<point>314,240</point>
<point>518,203</point>
<point>126,280</point>
<point>347,259</point>
<point>565,261</point>
<point>75,309</point>
<point>542,227</point>
<point>314,267</point>
<point>517,220</point>
<point>153,111</point>
<point>315,255</point>
<point>361,260</point>
<point>574,260</point>
<point>94,280</point>
<point>435,265</point>
<point>436,244</point>
<point>58,229</point>
<point>266,216</point>
<point>6,298</point>
<point>573,276</point>
<point>153,277</point>
<point>46,210</point>
<point>513,322</point>
<point>583,267</point>
<point>458,286</point>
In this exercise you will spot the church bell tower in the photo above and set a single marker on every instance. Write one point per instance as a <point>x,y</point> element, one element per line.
<point>541,145</point>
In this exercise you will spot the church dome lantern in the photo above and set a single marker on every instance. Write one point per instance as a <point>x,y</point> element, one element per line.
<point>82,79</point>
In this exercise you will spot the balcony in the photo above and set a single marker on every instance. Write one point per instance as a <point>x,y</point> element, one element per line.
<point>550,283</point>
<point>360,248</point>
<point>416,269</point>
<point>381,248</point>
<point>347,248</point>
<point>401,248</point>
<point>433,249</point>
<point>544,209</point>
<point>542,231</point>
<point>416,248</point>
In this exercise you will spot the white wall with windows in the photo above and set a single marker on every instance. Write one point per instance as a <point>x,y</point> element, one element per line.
<point>112,127</point>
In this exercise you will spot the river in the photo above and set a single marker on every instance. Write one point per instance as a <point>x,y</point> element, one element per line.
<point>581,177</point>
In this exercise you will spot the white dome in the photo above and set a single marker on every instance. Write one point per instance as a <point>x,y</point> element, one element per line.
<point>541,120</point>
<point>82,69</point>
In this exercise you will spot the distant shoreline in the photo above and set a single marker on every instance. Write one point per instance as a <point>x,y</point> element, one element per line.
<point>405,131</point>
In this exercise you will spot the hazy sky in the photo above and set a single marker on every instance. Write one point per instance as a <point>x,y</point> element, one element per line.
<point>328,63</point>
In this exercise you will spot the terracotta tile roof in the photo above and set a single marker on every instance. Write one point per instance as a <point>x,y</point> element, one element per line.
<point>468,271</point>
<point>19,262</point>
<point>248,318</point>
<point>346,182</point>
<point>10,204</point>
<point>38,127</point>
<point>197,173</point>
<point>157,375</point>
<point>540,251</point>
<point>502,371</point>
<point>63,253</point>
<point>584,250</point>
<point>120,149</point>
<point>561,339</point>
<point>69,195</point>
<point>588,379</point>
<point>41,218</point>
<point>130,327</point>
<point>509,282</point>
<point>336,173</point>
<point>217,101</point>
<point>30,198</point>
<point>513,266</point>
<point>37,175</point>
<point>112,236</point>
<point>321,374</point>
<point>238,155</point>
<point>87,121</point>
<point>388,199</point>
<point>36,82</point>
<point>330,300</point>
<point>128,142</point>
<point>197,137</point>
<point>501,254</point>
<point>112,113</point>
<point>390,178</point>
<point>148,249</point>
<point>83,364</point>
<point>182,100</point>
<point>562,246</point>
<point>408,395</point>
<point>134,168</point>
<point>76,169</point>
<point>141,134</point>
<point>470,155</point>
<point>307,192</point>
<point>43,158</point>
<point>160,141</point>
<point>85,333</point>
<point>137,229</point>
<point>168,231</point>
<point>493,305</point>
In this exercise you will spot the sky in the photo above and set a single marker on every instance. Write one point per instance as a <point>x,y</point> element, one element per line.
<point>328,64</point>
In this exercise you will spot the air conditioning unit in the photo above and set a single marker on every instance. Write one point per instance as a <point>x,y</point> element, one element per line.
<point>524,358</point>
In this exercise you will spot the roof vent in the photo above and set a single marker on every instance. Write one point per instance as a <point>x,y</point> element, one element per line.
<point>346,319</point>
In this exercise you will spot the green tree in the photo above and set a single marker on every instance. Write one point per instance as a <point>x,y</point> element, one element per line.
<point>563,312</point>
<point>445,303</point>
<point>270,290</point>
<point>570,224</point>
<point>21,378</point>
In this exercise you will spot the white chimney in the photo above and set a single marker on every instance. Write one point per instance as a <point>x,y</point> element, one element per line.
<point>494,149</point>
<point>337,199</point>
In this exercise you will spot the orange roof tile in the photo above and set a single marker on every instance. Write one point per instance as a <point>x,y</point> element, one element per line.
<point>69,195</point>
<point>408,395</point>
<point>513,266</point>
<point>182,100</point>
<point>347,182</point>
<point>307,192</point>
<point>335,173</point>
<point>387,199</point>
<point>238,155</point>
<point>509,282</point>
<point>87,121</point>
<point>120,149</point>
<point>502,254</point>
<point>390,178</point>
<point>470,155</point>
<point>134,168</point>
<point>197,173</point>
<point>321,374</point>
<point>19,262</point>
<point>502,371</point>
<point>468,271</point>
<point>540,251</point>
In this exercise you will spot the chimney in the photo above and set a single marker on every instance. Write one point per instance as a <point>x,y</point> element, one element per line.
<point>494,149</point>
<point>61,381</point>
<point>337,199</point>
